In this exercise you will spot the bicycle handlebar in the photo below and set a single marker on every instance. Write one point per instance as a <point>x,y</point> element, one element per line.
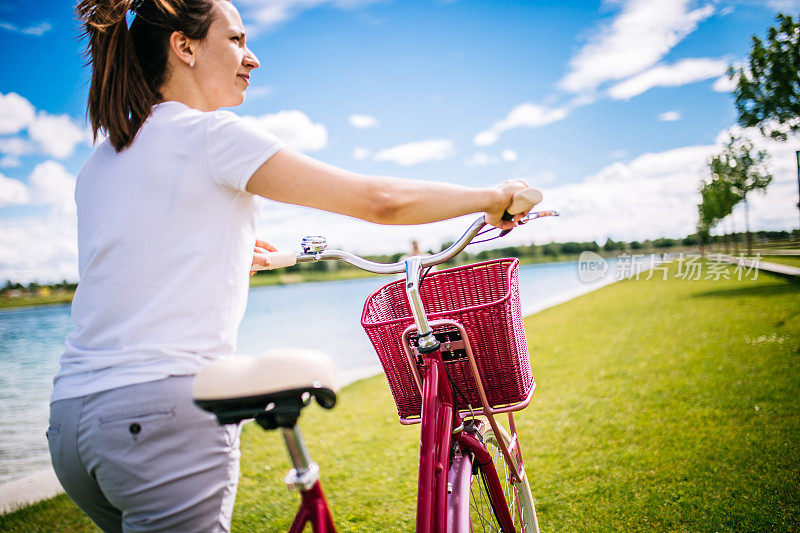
<point>400,266</point>
<point>522,201</point>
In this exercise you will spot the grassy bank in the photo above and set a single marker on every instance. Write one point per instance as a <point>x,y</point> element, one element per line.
<point>661,405</point>
<point>791,260</point>
<point>27,301</point>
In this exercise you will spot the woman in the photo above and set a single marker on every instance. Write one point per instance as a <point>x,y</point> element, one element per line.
<point>166,220</point>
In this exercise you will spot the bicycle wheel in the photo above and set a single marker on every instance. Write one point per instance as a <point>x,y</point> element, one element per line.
<point>517,495</point>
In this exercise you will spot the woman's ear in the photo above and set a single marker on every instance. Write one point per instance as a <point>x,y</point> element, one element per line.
<point>182,47</point>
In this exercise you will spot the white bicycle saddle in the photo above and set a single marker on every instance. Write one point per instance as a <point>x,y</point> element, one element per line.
<point>244,386</point>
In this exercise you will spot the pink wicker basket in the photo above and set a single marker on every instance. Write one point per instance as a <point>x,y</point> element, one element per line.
<point>484,298</point>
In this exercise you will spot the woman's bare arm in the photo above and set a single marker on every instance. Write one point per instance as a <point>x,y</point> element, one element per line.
<point>294,178</point>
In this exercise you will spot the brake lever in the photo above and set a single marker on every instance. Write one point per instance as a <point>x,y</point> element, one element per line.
<point>539,214</point>
<point>530,216</point>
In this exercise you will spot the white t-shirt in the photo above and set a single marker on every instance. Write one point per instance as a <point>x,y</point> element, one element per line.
<point>166,232</point>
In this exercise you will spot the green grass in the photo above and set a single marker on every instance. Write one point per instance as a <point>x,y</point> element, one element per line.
<point>27,301</point>
<point>791,260</point>
<point>778,245</point>
<point>55,514</point>
<point>661,406</point>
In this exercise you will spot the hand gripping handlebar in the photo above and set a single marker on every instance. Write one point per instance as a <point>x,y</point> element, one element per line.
<point>314,248</point>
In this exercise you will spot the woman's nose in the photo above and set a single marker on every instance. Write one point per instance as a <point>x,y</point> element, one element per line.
<point>250,60</point>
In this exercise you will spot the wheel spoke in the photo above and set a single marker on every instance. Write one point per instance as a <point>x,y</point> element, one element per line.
<point>517,496</point>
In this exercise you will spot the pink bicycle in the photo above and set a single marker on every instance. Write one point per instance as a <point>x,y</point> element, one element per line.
<point>452,368</point>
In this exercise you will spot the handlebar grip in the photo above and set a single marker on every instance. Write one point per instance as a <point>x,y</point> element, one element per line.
<point>280,260</point>
<point>524,200</point>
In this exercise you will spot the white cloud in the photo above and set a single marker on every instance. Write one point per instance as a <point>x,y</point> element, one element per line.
<point>15,146</point>
<point>42,249</point>
<point>525,115</point>
<point>480,159</point>
<point>38,30</point>
<point>669,116</point>
<point>261,15</point>
<point>680,73</point>
<point>16,113</point>
<point>656,194</point>
<point>10,161</point>
<point>414,153</point>
<point>260,92</point>
<point>56,135</point>
<point>360,153</point>
<point>11,148</point>
<point>784,5</point>
<point>724,84</point>
<point>13,192</point>
<point>52,185</point>
<point>640,36</point>
<point>294,128</point>
<point>363,121</point>
<point>509,155</point>
<point>652,195</point>
<point>541,178</point>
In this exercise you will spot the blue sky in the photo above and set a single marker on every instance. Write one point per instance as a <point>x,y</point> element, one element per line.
<point>611,108</point>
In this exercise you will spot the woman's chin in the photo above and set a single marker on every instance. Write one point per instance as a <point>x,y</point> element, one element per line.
<point>233,100</point>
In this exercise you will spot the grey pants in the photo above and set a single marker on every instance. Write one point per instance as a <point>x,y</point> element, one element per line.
<point>145,458</point>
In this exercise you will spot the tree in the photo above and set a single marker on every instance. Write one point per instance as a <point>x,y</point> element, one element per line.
<point>767,92</point>
<point>736,172</point>
<point>717,203</point>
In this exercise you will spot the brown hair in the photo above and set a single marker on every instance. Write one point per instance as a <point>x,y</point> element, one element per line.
<point>129,66</point>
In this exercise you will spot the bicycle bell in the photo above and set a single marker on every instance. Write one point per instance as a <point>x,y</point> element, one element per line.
<point>313,244</point>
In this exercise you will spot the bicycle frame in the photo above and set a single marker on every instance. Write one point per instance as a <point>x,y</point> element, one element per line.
<point>447,450</point>
<point>444,485</point>
<point>443,488</point>
<point>437,510</point>
<point>314,510</point>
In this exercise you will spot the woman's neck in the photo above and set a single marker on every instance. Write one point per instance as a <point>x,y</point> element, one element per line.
<point>179,89</point>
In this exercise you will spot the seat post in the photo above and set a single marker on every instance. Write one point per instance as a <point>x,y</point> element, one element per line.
<point>305,472</point>
<point>298,451</point>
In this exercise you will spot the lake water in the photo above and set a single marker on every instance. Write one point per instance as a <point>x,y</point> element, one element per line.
<point>313,315</point>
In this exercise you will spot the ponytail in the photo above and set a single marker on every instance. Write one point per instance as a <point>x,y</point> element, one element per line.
<point>129,66</point>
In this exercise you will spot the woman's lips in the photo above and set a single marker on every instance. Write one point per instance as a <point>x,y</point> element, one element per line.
<point>245,77</point>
